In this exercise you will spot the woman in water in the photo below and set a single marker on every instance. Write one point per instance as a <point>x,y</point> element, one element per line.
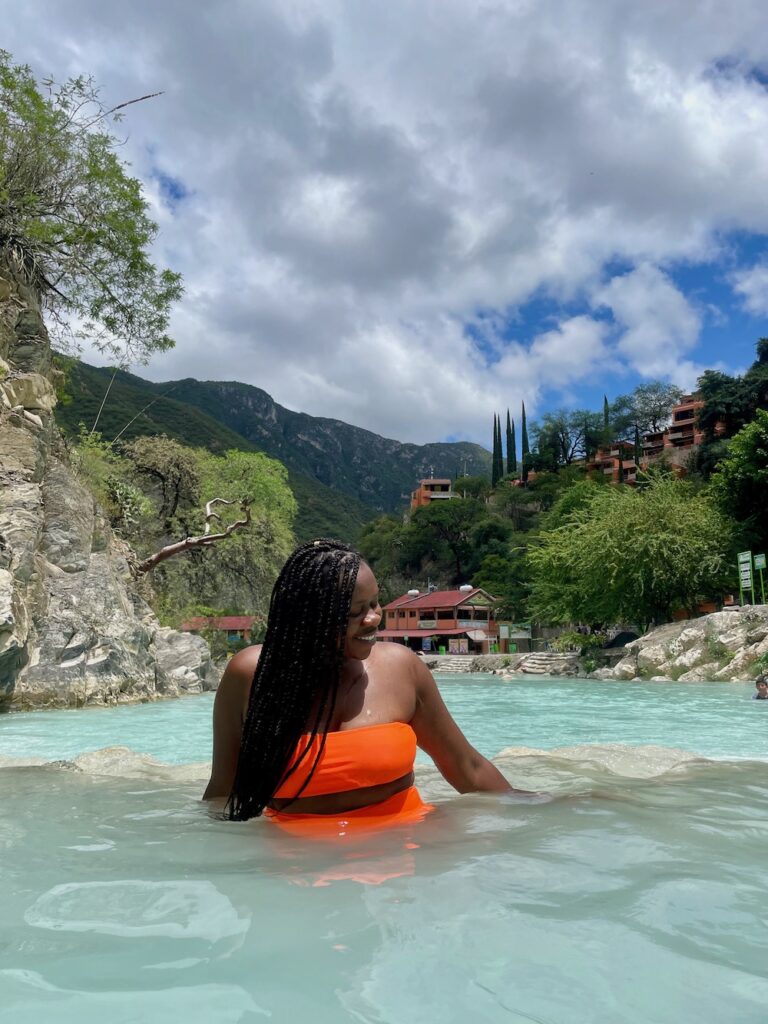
<point>321,722</point>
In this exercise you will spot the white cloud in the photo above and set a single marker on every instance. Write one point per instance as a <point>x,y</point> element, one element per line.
<point>658,324</point>
<point>364,180</point>
<point>752,286</point>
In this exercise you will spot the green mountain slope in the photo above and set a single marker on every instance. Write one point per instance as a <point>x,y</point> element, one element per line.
<point>321,511</point>
<point>342,475</point>
<point>376,470</point>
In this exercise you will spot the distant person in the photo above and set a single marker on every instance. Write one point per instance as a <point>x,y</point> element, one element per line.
<point>320,722</point>
<point>762,687</point>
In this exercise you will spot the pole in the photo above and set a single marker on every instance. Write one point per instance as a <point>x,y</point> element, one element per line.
<point>762,585</point>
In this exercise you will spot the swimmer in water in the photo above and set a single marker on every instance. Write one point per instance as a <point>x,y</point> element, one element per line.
<point>323,720</point>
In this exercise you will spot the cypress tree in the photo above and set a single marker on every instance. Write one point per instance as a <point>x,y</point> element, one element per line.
<point>526,449</point>
<point>638,449</point>
<point>606,413</point>
<point>495,456</point>
<point>511,448</point>
<point>621,463</point>
<point>500,468</point>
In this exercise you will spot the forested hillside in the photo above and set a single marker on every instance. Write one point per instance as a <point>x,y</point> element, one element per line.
<point>135,408</point>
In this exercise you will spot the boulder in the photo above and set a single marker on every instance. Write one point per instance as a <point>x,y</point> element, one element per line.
<point>185,660</point>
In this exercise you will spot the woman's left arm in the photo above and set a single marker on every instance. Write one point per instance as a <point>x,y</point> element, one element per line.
<point>439,736</point>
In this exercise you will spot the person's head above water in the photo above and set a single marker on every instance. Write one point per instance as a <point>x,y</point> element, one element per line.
<point>324,609</point>
<point>762,685</point>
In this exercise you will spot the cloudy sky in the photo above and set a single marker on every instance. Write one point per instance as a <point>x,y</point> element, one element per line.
<point>409,214</point>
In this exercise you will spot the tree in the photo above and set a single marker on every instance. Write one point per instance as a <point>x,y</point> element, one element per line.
<point>511,447</point>
<point>638,449</point>
<point>239,572</point>
<point>74,226</point>
<point>740,484</point>
<point>526,452</point>
<point>631,555</point>
<point>563,437</point>
<point>496,455</point>
<point>728,404</point>
<point>606,415</point>
<point>472,486</point>
<point>440,534</point>
<point>172,468</point>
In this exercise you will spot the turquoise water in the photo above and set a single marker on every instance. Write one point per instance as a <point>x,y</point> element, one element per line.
<point>713,719</point>
<point>635,893</point>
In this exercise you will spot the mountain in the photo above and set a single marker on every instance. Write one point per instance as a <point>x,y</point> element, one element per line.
<point>135,408</point>
<point>325,457</point>
<point>376,470</point>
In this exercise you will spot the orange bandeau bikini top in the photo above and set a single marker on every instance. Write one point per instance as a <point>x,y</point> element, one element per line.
<point>352,759</point>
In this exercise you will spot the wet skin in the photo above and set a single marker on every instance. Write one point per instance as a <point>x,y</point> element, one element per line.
<point>380,683</point>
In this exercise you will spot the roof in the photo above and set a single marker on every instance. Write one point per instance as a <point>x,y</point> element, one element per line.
<point>413,633</point>
<point>219,622</point>
<point>433,480</point>
<point>438,599</point>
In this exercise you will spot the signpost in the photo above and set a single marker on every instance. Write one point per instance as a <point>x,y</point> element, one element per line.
<point>760,566</point>
<point>745,575</point>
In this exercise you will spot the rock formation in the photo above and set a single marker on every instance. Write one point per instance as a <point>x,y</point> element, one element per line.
<point>730,645</point>
<point>73,629</point>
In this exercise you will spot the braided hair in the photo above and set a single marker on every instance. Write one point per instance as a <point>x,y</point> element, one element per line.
<point>298,671</point>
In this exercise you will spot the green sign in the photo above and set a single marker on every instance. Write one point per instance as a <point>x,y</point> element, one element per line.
<point>745,574</point>
<point>759,561</point>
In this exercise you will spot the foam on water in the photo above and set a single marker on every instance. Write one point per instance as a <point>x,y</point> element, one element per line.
<point>636,892</point>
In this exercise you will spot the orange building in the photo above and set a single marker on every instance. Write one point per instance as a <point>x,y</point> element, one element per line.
<point>431,489</point>
<point>461,619</point>
<point>674,443</point>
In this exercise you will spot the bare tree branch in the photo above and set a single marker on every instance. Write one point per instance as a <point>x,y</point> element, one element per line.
<point>206,539</point>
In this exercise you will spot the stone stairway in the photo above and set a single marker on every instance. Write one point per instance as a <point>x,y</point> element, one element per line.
<point>547,663</point>
<point>449,662</point>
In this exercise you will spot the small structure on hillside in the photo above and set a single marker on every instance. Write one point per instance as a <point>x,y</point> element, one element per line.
<point>432,489</point>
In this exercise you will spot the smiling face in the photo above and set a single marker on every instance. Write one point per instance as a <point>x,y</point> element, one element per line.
<point>364,615</point>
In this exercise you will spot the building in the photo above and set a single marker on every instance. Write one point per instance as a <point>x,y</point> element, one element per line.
<point>236,628</point>
<point>449,621</point>
<point>431,489</point>
<point>674,443</point>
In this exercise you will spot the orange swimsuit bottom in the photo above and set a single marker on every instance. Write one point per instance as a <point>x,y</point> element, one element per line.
<point>371,755</point>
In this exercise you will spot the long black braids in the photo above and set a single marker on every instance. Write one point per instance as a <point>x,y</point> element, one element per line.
<point>298,670</point>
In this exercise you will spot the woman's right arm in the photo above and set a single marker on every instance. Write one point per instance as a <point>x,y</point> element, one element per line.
<point>229,709</point>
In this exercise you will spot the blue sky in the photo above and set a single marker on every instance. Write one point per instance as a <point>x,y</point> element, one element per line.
<point>410,215</point>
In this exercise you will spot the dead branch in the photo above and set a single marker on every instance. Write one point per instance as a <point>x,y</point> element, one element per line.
<point>206,539</point>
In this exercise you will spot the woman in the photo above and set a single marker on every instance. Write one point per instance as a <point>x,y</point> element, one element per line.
<point>320,723</point>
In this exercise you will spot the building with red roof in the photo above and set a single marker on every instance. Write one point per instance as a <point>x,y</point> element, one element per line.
<point>459,621</point>
<point>236,627</point>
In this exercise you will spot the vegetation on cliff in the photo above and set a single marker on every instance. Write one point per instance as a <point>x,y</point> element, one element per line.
<point>74,225</point>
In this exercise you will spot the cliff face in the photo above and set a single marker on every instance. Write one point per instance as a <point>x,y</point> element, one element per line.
<point>73,629</point>
<point>730,645</point>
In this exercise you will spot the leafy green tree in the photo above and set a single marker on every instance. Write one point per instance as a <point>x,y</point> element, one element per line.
<point>440,535</point>
<point>563,437</point>
<point>504,577</point>
<point>74,226</point>
<point>631,555</point>
<point>740,483</point>
<point>472,487</point>
<point>237,573</point>
<point>173,469</point>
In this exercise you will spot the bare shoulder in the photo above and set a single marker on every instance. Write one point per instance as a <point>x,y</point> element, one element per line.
<point>235,686</point>
<point>396,656</point>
